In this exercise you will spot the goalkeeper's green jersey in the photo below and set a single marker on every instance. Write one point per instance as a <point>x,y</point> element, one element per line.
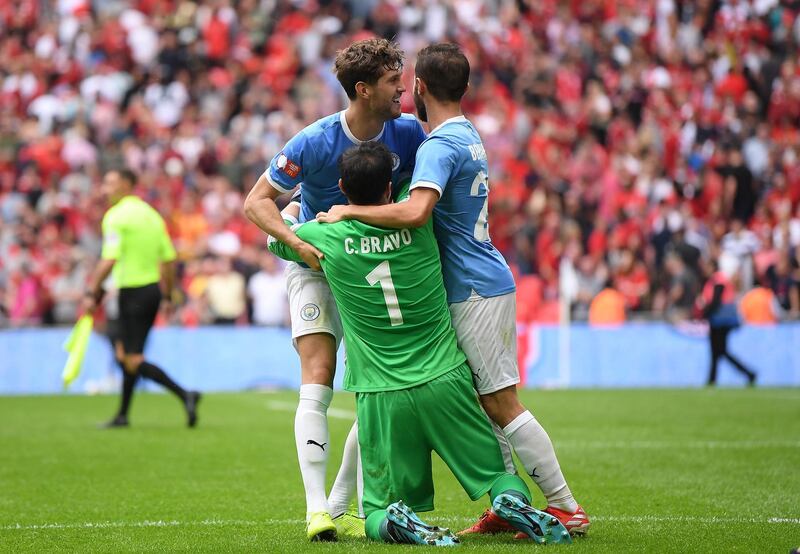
<point>388,287</point>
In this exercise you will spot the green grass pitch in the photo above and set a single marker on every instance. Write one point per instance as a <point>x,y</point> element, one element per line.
<point>658,470</point>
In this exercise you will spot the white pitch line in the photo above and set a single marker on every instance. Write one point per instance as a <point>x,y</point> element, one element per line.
<point>697,519</point>
<point>716,520</point>
<point>279,406</point>
<point>677,445</point>
<point>147,523</point>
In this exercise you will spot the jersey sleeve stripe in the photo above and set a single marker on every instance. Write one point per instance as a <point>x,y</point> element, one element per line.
<point>426,185</point>
<point>275,184</point>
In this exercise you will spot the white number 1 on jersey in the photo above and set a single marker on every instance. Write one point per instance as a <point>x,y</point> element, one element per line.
<point>383,275</point>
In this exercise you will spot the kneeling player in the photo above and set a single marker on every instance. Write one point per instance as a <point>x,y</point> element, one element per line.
<point>414,388</point>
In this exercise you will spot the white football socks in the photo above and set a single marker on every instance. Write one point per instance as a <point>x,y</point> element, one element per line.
<point>312,440</point>
<point>505,447</point>
<point>535,451</point>
<point>347,480</point>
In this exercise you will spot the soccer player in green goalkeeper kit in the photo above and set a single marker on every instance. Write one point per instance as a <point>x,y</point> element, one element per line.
<point>414,391</point>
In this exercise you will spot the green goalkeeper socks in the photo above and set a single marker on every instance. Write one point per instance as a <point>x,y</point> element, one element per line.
<point>375,524</point>
<point>511,484</point>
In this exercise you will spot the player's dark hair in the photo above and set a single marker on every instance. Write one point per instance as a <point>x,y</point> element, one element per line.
<point>126,175</point>
<point>366,170</point>
<point>367,61</point>
<point>445,70</point>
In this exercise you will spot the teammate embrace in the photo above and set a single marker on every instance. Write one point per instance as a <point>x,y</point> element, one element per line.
<point>406,310</point>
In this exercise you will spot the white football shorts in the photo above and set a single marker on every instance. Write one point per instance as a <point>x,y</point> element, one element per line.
<point>311,304</point>
<point>486,329</point>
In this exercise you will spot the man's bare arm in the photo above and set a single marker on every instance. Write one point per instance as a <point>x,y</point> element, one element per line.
<point>414,212</point>
<point>99,275</point>
<point>168,277</point>
<point>260,208</point>
<point>95,291</point>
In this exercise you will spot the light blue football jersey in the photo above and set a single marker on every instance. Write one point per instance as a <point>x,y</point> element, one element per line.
<point>452,161</point>
<point>311,157</point>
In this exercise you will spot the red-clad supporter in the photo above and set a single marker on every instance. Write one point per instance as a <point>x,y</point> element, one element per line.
<point>626,136</point>
<point>216,34</point>
<point>631,280</point>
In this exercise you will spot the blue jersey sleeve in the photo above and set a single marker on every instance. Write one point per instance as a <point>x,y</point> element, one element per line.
<point>435,164</point>
<point>286,170</point>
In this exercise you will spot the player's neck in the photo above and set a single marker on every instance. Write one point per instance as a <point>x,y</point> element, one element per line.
<point>362,124</point>
<point>439,113</point>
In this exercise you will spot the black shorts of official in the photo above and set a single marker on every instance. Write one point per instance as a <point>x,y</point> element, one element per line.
<point>112,331</point>
<point>138,308</point>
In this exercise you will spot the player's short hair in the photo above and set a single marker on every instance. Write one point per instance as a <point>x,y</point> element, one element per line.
<point>366,170</point>
<point>445,70</point>
<point>366,60</point>
<point>126,175</point>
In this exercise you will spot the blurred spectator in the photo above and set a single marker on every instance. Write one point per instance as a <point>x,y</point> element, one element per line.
<point>741,245</point>
<point>607,308</point>
<point>225,291</point>
<point>756,151</point>
<point>631,280</point>
<point>785,285</point>
<point>681,290</point>
<point>27,300</point>
<point>67,289</point>
<point>759,307</point>
<point>787,229</point>
<point>590,280</point>
<point>267,291</point>
<point>189,228</point>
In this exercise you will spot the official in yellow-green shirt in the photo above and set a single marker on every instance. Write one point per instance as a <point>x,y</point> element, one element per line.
<point>138,253</point>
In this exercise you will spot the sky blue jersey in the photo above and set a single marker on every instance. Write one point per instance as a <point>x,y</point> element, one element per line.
<point>312,157</point>
<point>452,161</point>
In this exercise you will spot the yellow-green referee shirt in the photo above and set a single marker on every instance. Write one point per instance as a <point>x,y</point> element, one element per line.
<point>134,234</point>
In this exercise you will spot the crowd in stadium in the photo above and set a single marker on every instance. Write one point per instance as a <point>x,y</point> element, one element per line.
<point>638,145</point>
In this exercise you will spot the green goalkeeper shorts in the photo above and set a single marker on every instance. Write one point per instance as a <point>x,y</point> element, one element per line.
<point>398,430</point>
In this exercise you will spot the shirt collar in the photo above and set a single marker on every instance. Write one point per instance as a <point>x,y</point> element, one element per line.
<point>456,119</point>
<point>351,136</point>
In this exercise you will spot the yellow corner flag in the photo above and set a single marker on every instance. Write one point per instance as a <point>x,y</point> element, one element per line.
<point>76,345</point>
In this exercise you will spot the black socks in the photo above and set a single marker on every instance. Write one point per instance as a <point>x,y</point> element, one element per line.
<point>155,373</point>
<point>128,385</point>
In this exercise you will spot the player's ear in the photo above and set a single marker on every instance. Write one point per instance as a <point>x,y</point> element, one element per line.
<point>362,90</point>
<point>388,193</point>
<point>341,188</point>
<point>419,85</point>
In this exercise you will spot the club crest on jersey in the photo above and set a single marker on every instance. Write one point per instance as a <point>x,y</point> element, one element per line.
<point>309,312</point>
<point>287,166</point>
<point>395,162</point>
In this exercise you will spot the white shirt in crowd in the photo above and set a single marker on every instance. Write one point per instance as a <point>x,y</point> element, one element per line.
<point>270,302</point>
